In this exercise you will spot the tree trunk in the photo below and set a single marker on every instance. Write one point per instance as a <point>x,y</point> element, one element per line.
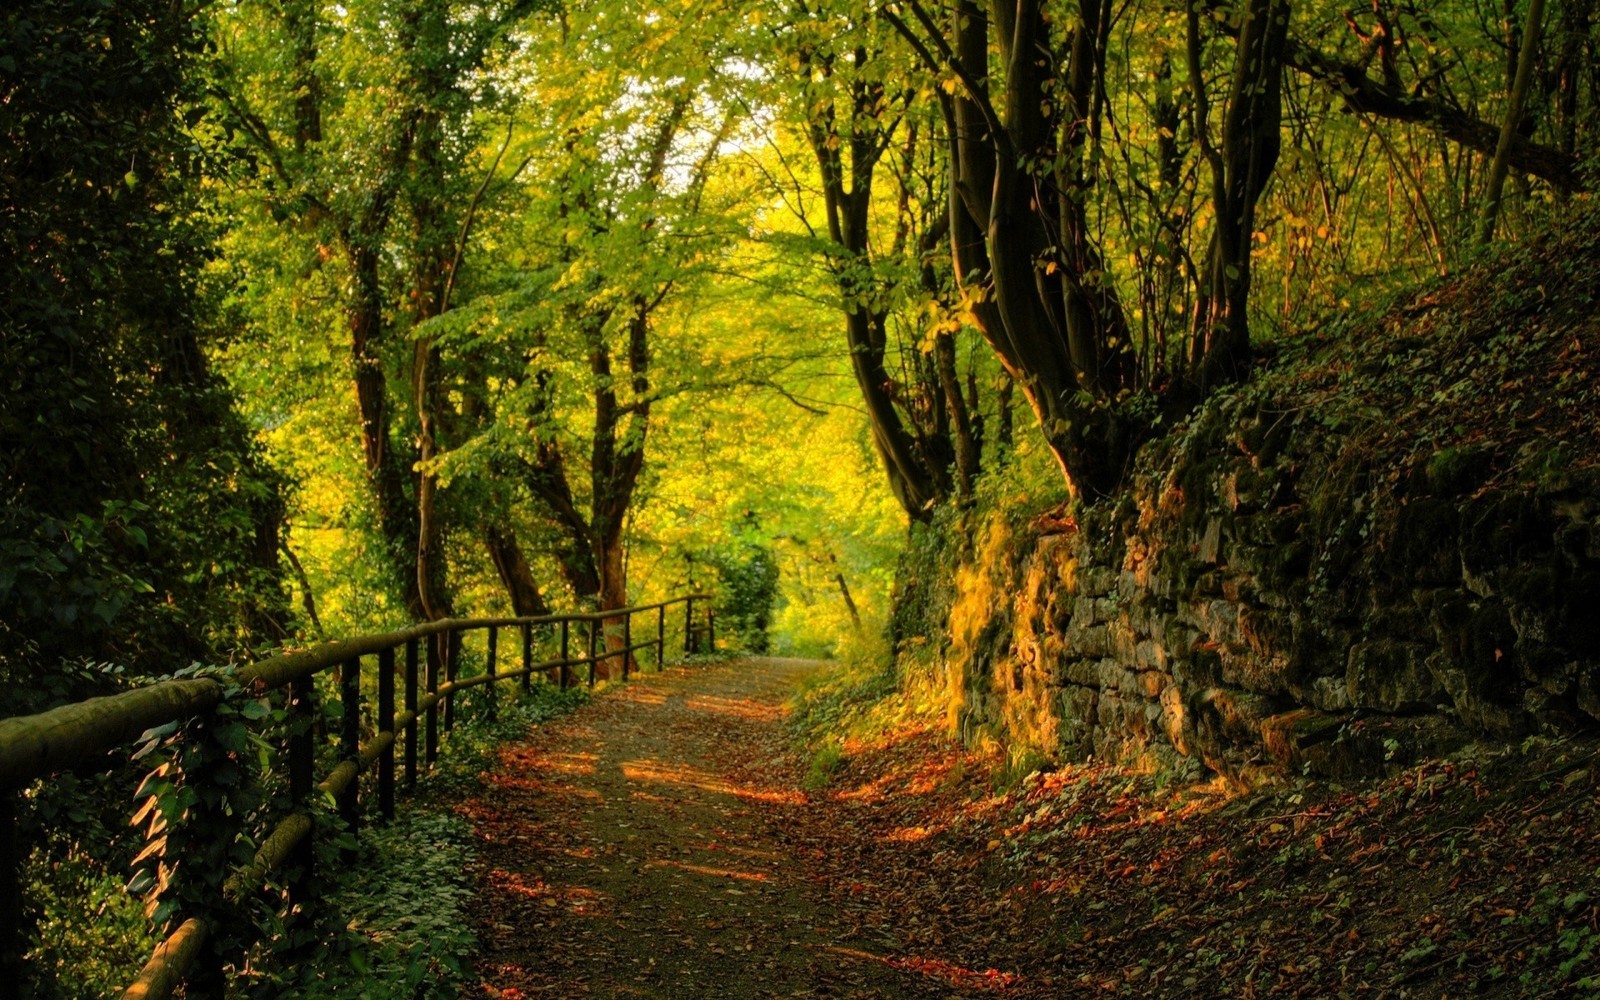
<point>515,575</point>
<point>1240,171</point>
<point>386,471</point>
<point>1508,129</point>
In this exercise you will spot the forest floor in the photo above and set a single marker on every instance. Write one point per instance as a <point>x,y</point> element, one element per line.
<point>674,839</point>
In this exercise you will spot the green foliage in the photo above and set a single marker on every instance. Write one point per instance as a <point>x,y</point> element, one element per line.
<point>394,923</point>
<point>827,759</point>
<point>88,932</point>
<point>747,589</point>
<point>137,509</point>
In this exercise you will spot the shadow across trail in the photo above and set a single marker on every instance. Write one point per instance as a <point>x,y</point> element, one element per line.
<point>633,849</point>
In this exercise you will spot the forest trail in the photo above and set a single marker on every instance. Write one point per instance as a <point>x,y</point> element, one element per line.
<point>654,844</point>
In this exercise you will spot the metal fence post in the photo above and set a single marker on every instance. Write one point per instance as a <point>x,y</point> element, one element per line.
<point>452,668</point>
<point>302,755</point>
<point>591,651</point>
<point>12,944</point>
<point>661,638</point>
<point>688,626</point>
<point>627,643</point>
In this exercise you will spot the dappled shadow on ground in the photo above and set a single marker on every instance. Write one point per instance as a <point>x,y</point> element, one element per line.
<point>647,846</point>
<point>659,843</point>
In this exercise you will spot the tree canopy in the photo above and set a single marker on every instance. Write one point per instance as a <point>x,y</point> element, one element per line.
<point>391,309</point>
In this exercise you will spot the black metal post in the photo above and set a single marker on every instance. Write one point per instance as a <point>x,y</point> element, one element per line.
<point>688,626</point>
<point>661,638</point>
<point>591,651</point>
<point>627,644</point>
<point>711,627</point>
<point>12,944</point>
<point>411,707</point>
<point>386,725</point>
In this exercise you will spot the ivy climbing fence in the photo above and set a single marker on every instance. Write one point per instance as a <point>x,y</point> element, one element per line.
<point>420,666</point>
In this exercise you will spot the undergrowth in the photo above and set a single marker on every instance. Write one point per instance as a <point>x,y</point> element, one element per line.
<point>861,701</point>
<point>393,922</point>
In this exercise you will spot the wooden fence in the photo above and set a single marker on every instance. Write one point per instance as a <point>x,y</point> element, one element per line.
<point>419,665</point>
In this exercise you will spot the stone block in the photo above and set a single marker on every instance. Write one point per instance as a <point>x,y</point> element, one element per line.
<point>1081,671</point>
<point>1122,639</point>
<point>1096,581</point>
<point>1151,682</point>
<point>1330,694</point>
<point>1243,668</point>
<point>1083,611</point>
<point>1174,717</point>
<point>1308,740</point>
<point>1150,655</point>
<point>1090,640</point>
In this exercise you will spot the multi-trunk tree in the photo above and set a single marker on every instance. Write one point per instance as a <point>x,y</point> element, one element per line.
<point>363,123</point>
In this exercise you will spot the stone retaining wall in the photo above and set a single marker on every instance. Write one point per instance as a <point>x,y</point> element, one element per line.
<point>1273,596</point>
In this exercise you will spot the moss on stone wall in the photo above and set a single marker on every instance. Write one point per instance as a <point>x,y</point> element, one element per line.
<point>1385,543</point>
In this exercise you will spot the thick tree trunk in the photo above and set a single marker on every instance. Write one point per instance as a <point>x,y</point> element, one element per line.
<point>386,470</point>
<point>1054,324</point>
<point>613,594</point>
<point>512,567</point>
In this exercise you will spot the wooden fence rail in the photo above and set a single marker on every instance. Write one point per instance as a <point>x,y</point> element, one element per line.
<point>424,659</point>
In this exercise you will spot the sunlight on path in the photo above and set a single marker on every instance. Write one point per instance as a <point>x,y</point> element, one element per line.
<point>629,850</point>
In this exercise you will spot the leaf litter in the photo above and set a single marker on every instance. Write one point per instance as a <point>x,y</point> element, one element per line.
<point>662,842</point>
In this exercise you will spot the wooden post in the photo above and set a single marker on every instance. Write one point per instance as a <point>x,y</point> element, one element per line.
<point>627,643</point>
<point>350,739</point>
<point>452,667</point>
<point>711,627</point>
<point>591,651</point>
<point>661,638</point>
<point>302,758</point>
<point>490,668</point>
<point>411,707</point>
<point>435,661</point>
<point>11,930</point>
<point>566,668</point>
<point>386,725</point>
<point>688,626</point>
<point>527,656</point>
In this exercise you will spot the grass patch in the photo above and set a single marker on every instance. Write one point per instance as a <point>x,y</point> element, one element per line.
<point>825,762</point>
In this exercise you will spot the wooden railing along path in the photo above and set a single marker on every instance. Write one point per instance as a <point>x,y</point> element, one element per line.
<point>424,661</point>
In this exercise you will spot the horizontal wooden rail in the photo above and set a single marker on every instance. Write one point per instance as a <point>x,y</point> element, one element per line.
<point>81,735</point>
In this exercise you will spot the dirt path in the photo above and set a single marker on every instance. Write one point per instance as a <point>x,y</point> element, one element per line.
<point>638,848</point>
